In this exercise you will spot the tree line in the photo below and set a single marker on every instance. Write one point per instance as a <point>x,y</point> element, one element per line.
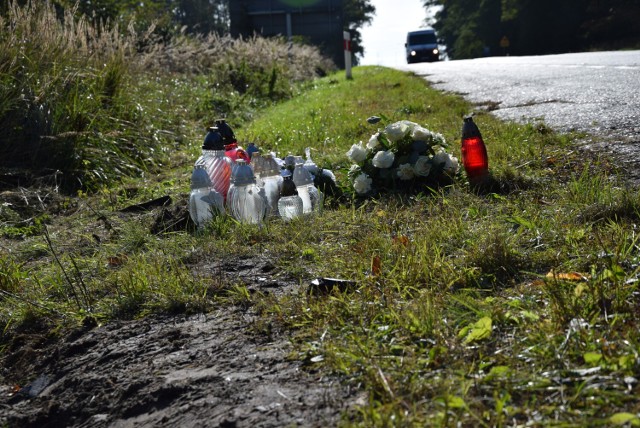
<point>196,17</point>
<point>167,17</point>
<point>474,28</point>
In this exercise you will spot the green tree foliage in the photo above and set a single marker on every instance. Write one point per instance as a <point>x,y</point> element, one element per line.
<point>356,14</point>
<point>612,24</point>
<point>167,16</point>
<point>473,28</point>
<point>195,16</point>
<point>203,16</point>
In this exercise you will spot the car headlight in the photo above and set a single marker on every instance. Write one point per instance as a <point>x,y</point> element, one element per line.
<point>435,51</point>
<point>413,53</point>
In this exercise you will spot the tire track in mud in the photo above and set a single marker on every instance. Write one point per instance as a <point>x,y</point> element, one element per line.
<point>206,370</point>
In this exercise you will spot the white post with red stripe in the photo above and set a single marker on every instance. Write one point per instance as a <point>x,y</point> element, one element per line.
<point>347,53</point>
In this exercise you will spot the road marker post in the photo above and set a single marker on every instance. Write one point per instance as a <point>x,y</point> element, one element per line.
<point>347,53</point>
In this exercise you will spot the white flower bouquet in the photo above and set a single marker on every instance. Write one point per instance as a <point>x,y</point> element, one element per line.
<point>402,155</point>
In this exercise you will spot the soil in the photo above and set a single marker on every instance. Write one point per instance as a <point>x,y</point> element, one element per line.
<point>220,369</point>
<point>208,370</point>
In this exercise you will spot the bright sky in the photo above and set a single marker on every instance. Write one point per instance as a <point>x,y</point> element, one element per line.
<point>384,39</point>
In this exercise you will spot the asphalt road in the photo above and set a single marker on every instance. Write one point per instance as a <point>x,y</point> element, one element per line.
<point>595,92</point>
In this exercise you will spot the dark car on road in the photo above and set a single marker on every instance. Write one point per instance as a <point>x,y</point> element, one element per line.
<point>421,46</point>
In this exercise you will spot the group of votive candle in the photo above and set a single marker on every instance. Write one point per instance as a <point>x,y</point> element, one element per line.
<point>248,185</point>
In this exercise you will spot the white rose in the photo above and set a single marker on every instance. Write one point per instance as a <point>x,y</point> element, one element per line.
<point>440,158</point>
<point>438,138</point>
<point>357,153</point>
<point>452,165</point>
<point>354,171</point>
<point>405,171</point>
<point>383,159</point>
<point>373,142</point>
<point>362,184</point>
<point>410,125</point>
<point>449,163</point>
<point>421,134</point>
<point>396,131</point>
<point>422,166</point>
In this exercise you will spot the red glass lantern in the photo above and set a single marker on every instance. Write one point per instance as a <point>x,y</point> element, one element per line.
<point>474,152</point>
<point>236,152</point>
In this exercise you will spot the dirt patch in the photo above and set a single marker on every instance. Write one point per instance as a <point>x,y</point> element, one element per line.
<point>221,369</point>
<point>205,370</point>
<point>624,151</point>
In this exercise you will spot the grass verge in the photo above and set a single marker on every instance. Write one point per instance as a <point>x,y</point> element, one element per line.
<point>508,308</point>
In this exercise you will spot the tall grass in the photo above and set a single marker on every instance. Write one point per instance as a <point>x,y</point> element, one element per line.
<point>71,99</point>
<point>61,80</point>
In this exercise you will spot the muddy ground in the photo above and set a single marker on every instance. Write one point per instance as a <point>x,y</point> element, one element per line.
<point>221,369</point>
<point>209,370</point>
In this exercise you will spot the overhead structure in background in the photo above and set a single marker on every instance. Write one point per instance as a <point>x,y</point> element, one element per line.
<point>317,22</point>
